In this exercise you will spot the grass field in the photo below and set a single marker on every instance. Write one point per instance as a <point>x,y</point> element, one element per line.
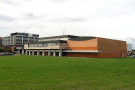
<point>55,73</point>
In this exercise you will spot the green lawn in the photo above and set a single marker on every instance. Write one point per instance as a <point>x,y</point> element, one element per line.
<point>62,73</point>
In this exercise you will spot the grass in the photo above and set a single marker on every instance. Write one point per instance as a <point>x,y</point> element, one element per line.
<point>55,73</point>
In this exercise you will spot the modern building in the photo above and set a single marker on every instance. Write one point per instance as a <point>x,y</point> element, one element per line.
<point>96,47</point>
<point>61,37</point>
<point>129,49</point>
<point>77,46</point>
<point>18,40</point>
<point>0,41</point>
<point>51,46</point>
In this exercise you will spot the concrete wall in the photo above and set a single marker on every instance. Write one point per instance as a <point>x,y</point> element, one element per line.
<point>61,46</point>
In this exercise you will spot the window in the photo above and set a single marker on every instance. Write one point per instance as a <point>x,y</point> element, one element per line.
<point>44,45</point>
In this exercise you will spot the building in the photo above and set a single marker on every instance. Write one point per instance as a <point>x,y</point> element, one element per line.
<point>62,37</point>
<point>96,47</point>
<point>20,39</point>
<point>0,41</point>
<point>51,46</point>
<point>129,49</point>
<point>77,46</point>
<point>133,52</point>
<point>17,40</point>
<point>47,48</point>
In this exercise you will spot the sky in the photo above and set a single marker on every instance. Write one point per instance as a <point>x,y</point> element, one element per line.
<point>113,19</point>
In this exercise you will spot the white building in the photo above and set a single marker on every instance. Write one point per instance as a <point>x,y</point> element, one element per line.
<point>129,47</point>
<point>19,39</point>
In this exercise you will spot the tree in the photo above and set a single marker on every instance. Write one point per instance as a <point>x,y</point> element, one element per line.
<point>1,49</point>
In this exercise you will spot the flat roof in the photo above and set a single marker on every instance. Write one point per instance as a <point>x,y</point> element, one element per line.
<point>53,41</point>
<point>23,33</point>
<point>82,38</point>
<point>61,36</point>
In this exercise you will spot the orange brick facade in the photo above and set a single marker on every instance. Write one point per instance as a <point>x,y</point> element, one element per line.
<point>107,48</point>
<point>83,45</point>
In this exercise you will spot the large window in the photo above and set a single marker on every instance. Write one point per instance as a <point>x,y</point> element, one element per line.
<point>35,45</point>
<point>43,45</point>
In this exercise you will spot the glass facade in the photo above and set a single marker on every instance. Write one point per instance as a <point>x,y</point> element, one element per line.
<point>43,45</point>
<point>20,39</point>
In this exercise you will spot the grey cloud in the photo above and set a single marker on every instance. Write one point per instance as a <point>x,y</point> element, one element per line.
<point>113,8</point>
<point>63,0</point>
<point>68,20</point>
<point>58,0</point>
<point>6,30</point>
<point>6,18</point>
<point>75,19</point>
<point>109,13</point>
<point>31,16</point>
<point>129,3</point>
<point>8,2</point>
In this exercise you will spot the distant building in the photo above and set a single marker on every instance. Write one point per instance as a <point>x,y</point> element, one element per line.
<point>129,49</point>
<point>0,41</point>
<point>133,52</point>
<point>77,46</point>
<point>19,39</point>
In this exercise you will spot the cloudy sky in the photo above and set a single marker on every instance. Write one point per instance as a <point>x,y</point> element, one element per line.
<point>103,18</point>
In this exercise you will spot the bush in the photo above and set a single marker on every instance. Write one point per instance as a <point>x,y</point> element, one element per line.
<point>9,51</point>
<point>1,49</point>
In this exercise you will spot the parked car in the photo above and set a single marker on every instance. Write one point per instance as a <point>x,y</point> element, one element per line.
<point>133,56</point>
<point>5,54</point>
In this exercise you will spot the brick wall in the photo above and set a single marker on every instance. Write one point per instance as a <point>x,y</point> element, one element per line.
<point>109,48</point>
<point>82,45</point>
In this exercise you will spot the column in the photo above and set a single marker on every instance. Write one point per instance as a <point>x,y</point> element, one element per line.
<point>23,52</point>
<point>18,52</point>
<point>43,53</point>
<point>29,52</point>
<point>49,52</point>
<point>37,52</point>
<point>26,52</point>
<point>60,53</point>
<point>54,53</point>
<point>32,52</point>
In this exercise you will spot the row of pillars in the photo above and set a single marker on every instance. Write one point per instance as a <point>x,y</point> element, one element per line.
<point>28,52</point>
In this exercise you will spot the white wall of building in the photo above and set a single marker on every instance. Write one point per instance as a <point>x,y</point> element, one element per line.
<point>129,47</point>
